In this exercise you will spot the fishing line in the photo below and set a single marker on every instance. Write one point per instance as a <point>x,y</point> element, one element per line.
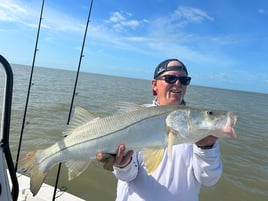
<point>74,92</point>
<point>29,86</point>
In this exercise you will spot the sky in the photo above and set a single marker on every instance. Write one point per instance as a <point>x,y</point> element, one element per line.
<point>223,43</point>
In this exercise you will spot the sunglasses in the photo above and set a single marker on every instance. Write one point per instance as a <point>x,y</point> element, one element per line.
<point>172,79</point>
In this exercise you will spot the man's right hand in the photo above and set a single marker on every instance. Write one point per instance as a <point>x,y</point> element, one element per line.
<point>121,159</point>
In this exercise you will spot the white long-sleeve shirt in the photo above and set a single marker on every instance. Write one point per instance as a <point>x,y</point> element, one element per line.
<point>176,180</point>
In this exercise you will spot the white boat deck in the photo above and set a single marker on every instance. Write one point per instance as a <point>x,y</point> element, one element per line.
<point>45,193</point>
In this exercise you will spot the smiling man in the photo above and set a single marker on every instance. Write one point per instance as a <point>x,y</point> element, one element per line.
<point>172,88</point>
<point>192,165</point>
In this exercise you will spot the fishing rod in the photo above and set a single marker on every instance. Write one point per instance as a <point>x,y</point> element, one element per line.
<point>30,84</point>
<point>74,92</point>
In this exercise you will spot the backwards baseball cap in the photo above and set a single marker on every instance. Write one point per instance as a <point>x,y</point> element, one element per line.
<point>163,67</point>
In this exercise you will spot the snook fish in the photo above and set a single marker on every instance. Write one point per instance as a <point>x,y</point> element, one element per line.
<point>147,129</point>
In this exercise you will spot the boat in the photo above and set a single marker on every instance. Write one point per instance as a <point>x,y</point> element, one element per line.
<point>45,193</point>
<point>15,186</point>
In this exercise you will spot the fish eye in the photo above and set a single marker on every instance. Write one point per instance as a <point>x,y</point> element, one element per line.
<point>209,112</point>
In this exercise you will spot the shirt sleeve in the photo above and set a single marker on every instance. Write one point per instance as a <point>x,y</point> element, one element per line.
<point>207,165</point>
<point>129,172</point>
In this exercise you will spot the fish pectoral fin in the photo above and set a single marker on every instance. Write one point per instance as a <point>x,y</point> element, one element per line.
<point>152,158</point>
<point>80,117</point>
<point>171,138</point>
<point>75,168</point>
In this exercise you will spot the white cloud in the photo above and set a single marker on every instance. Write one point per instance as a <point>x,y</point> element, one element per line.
<point>10,11</point>
<point>119,21</point>
<point>17,12</point>
<point>174,23</point>
<point>25,14</point>
<point>131,23</point>
<point>116,17</point>
<point>190,14</point>
<point>154,40</point>
<point>57,21</point>
<point>137,39</point>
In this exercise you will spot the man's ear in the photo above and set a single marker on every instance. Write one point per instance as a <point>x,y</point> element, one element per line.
<point>154,87</point>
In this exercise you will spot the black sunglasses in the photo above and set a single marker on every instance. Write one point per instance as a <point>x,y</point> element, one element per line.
<point>172,79</point>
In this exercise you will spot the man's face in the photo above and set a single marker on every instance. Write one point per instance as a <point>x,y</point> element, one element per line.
<point>169,93</point>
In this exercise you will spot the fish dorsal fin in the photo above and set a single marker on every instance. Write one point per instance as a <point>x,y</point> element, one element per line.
<point>152,158</point>
<point>81,116</point>
<point>127,106</point>
<point>75,168</point>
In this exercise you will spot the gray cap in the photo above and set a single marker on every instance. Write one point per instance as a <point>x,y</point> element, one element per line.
<point>163,67</point>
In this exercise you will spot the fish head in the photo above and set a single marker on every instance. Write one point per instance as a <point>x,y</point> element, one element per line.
<point>219,123</point>
<point>192,124</point>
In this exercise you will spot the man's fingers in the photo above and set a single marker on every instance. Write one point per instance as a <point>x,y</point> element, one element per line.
<point>121,159</point>
<point>120,154</point>
<point>125,159</point>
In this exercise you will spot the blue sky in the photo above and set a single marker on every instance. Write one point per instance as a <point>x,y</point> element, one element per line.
<point>224,43</point>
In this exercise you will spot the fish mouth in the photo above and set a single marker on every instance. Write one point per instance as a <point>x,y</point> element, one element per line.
<point>231,119</point>
<point>230,123</point>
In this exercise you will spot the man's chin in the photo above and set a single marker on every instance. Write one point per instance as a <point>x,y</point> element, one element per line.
<point>175,101</point>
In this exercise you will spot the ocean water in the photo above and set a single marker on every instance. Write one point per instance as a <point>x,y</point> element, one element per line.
<point>245,160</point>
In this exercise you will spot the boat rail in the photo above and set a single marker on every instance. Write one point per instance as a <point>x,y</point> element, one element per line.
<point>5,155</point>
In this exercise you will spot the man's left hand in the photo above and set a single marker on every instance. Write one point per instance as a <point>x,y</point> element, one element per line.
<point>207,141</point>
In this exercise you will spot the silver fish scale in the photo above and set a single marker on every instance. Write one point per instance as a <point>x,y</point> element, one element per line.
<point>108,125</point>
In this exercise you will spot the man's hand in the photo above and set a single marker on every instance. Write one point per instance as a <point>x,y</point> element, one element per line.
<point>121,159</point>
<point>207,141</point>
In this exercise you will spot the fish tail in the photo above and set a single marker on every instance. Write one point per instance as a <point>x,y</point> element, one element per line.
<point>29,164</point>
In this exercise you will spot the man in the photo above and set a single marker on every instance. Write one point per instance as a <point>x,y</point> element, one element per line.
<point>191,166</point>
